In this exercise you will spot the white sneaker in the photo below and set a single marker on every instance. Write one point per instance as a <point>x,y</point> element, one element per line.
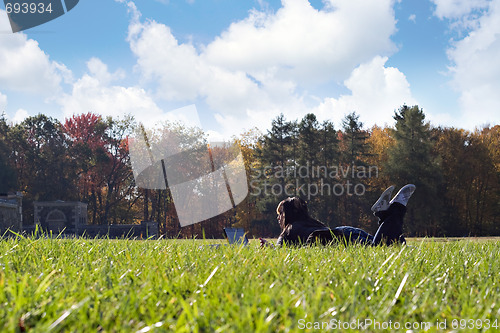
<point>383,202</point>
<point>404,194</point>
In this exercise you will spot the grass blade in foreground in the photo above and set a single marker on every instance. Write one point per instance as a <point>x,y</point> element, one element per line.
<point>125,285</point>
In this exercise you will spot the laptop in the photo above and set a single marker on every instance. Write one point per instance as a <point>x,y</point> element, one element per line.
<point>234,236</point>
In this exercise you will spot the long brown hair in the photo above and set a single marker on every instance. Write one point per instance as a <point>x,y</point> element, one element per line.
<point>295,211</point>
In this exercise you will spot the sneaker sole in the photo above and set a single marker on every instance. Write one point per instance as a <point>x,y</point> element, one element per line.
<point>387,193</point>
<point>401,191</point>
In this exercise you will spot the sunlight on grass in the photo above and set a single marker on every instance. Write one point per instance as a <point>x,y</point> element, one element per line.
<point>158,285</point>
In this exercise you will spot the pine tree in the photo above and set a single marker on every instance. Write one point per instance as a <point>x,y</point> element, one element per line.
<point>309,149</point>
<point>354,139</point>
<point>354,150</point>
<point>277,142</point>
<point>277,152</point>
<point>410,161</point>
<point>329,158</point>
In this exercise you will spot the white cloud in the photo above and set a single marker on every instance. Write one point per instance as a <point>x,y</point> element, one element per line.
<point>376,91</point>
<point>24,66</point>
<point>176,67</point>
<point>20,115</point>
<point>266,63</point>
<point>455,9</point>
<point>412,18</point>
<point>94,92</point>
<point>476,70</point>
<point>442,119</point>
<point>3,103</point>
<point>305,45</point>
<point>99,70</point>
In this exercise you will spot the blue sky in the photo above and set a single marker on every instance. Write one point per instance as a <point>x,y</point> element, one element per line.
<point>244,62</point>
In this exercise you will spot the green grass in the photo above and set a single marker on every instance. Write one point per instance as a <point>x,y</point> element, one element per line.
<point>165,285</point>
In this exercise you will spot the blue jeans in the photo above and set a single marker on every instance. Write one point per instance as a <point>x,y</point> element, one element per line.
<point>353,235</point>
<point>390,230</point>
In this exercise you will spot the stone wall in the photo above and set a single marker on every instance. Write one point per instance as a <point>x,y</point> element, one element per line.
<point>70,219</point>
<point>61,216</point>
<point>11,212</point>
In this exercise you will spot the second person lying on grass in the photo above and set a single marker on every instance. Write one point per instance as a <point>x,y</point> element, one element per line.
<point>298,228</point>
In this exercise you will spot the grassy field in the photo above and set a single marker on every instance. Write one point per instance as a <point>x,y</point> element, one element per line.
<point>165,285</point>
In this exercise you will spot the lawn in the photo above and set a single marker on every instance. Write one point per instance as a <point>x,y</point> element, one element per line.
<point>170,285</point>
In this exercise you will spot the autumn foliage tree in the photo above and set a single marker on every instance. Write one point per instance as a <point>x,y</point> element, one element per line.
<point>87,158</point>
<point>471,180</point>
<point>8,177</point>
<point>38,151</point>
<point>99,150</point>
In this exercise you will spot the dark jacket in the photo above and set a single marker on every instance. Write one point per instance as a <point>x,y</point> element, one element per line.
<point>297,234</point>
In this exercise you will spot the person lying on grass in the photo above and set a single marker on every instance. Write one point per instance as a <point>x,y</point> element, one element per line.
<point>298,228</point>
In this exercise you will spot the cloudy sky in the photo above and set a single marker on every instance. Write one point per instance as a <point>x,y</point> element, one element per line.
<point>244,62</point>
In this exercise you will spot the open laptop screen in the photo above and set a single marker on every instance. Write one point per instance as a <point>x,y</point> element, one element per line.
<point>236,235</point>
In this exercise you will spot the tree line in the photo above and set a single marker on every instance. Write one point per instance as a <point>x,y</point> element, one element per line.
<point>339,172</point>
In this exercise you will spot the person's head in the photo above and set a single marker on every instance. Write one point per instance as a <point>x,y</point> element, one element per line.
<point>291,210</point>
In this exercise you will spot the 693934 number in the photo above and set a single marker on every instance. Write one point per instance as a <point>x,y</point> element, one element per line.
<point>28,8</point>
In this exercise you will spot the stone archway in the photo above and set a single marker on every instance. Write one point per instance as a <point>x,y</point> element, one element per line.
<point>56,220</point>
